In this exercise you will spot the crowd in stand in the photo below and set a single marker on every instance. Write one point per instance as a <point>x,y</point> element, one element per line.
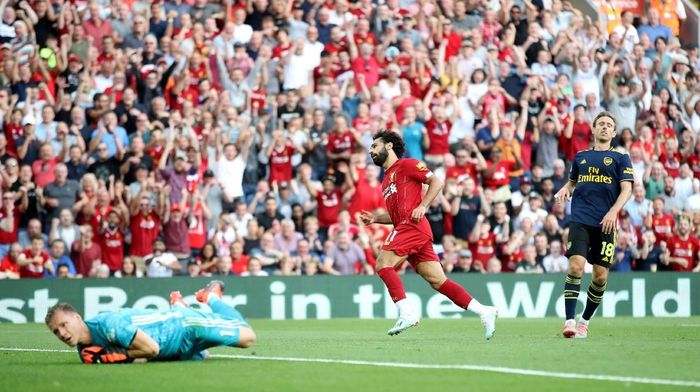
<point>195,137</point>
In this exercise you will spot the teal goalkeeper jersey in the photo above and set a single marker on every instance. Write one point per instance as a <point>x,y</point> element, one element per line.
<point>166,328</point>
<point>597,175</point>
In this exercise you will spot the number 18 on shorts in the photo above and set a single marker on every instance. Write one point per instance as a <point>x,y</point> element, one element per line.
<point>591,243</point>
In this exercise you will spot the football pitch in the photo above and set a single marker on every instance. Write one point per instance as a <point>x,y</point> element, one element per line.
<point>620,354</point>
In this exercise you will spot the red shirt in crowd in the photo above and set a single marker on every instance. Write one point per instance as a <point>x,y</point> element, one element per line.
<point>112,246</point>
<point>84,259</point>
<point>12,133</point>
<point>484,249</point>
<point>281,163</point>
<point>339,143</point>
<point>8,265</point>
<point>500,176</point>
<point>35,269</point>
<point>686,249</point>
<point>460,173</point>
<point>8,237</point>
<point>197,234</point>
<point>144,230</point>
<point>44,172</point>
<point>365,198</point>
<point>438,133</point>
<point>672,163</point>
<point>368,68</point>
<point>580,138</point>
<point>328,207</point>
<point>662,226</point>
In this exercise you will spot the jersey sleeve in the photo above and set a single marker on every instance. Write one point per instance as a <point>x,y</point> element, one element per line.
<point>573,174</point>
<point>625,171</point>
<point>416,170</point>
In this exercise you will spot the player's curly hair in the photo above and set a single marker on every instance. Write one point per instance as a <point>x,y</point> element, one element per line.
<point>388,136</point>
<point>59,307</point>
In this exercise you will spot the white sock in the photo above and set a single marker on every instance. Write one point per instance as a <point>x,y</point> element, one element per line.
<point>476,307</point>
<point>583,321</point>
<point>405,309</point>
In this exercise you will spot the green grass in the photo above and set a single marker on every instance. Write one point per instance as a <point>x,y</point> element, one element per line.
<point>650,348</point>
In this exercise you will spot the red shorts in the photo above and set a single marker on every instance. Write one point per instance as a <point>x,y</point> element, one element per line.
<point>414,243</point>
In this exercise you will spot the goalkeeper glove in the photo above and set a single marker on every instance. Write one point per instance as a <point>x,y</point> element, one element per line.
<point>110,354</point>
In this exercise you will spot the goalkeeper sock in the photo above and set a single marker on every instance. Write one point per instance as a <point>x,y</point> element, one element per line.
<point>218,306</point>
<point>456,293</point>
<point>572,286</point>
<point>595,296</point>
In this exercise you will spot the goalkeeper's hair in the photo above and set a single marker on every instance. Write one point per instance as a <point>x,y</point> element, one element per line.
<point>59,307</point>
<point>389,136</point>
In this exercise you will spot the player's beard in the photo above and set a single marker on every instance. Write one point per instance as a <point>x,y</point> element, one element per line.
<point>381,157</point>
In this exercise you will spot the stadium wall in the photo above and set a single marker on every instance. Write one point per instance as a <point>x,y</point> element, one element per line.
<point>324,297</point>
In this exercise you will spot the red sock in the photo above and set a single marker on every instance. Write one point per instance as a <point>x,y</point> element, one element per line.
<point>455,292</point>
<point>393,283</point>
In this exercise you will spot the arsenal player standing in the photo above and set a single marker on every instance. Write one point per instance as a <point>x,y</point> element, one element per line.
<point>412,238</point>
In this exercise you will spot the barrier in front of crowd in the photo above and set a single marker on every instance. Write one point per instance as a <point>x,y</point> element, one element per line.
<point>325,297</point>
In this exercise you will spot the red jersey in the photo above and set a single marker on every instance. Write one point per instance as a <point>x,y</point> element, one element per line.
<point>12,133</point>
<point>44,172</point>
<point>280,51</point>
<point>258,96</point>
<point>580,138</point>
<point>112,245</point>
<point>8,265</point>
<point>144,230</point>
<point>672,163</point>
<point>484,249</point>
<point>33,269</point>
<point>686,249</point>
<point>662,226</point>
<point>500,176</point>
<point>438,133</point>
<point>694,163</point>
<point>281,164</point>
<point>239,265</point>
<point>461,173</point>
<point>328,207</point>
<point>338,143</point>
<point>402,189</point>
<point>8,237</point>
<point>366,197</point>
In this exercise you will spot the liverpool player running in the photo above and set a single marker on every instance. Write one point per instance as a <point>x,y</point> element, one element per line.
<point>412,238</point>
<point>603,180</point>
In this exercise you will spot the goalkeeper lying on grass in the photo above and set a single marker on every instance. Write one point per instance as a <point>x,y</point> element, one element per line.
<point>130,335</point>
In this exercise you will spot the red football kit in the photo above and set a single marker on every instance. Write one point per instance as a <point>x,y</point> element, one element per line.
<point>686,249</point>
<point>402,189</point>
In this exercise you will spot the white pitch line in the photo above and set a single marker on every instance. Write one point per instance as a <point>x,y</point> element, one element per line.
<point>405,365</point>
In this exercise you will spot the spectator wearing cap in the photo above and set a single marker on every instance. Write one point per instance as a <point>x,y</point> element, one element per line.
<point>296,23</point>
<point>622,99</point>
<point>519,196</point>
<point>176,221</point>
<point>465,263</point>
